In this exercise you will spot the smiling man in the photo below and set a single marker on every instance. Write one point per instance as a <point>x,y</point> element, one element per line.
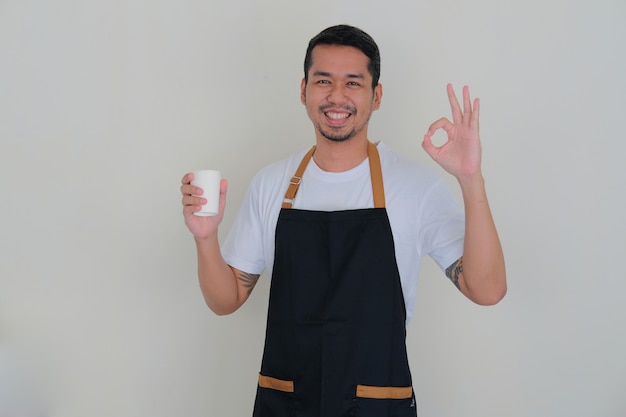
<point>340,102</point>
<point>342,229</point>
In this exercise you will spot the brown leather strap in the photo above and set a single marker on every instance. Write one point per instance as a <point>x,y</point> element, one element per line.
<point>275,383</point>
<point>364,391</point>
<point>294,184</point>
<point>376,175</point>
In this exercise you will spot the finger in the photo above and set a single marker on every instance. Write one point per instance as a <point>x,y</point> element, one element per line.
<point>190,209</point>
<point>427,143</point>
<point>190,200</point>
<point>429,147</point>
<point>442,123</point>
<point>188,189</point>
<point>187,178</point>
<point>474,122</point>
<point>467,105</point>
<point>223,190</point>
<point>457,116</point>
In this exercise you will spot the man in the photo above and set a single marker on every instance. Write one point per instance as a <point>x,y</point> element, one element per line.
<point>342,229</point>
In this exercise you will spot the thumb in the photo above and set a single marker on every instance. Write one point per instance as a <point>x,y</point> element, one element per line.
<point>223,190</point>
<point>428,146</point>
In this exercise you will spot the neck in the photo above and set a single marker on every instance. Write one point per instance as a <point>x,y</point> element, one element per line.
<point>340,156</point>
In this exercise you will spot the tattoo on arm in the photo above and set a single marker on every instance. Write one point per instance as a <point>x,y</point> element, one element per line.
<point>454,271</point>
<point>248,280</point>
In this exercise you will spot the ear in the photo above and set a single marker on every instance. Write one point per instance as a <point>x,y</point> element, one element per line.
<point>378,96</point>
<point>303,91</point>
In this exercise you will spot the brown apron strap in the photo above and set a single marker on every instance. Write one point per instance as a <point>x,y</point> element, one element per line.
<point>376,174</point>
<point>294,184</point>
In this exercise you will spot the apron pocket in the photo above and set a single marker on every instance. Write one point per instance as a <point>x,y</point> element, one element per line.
<point>275,383</point>
<point>374,401</point>
<point>384,393</point>
<point>274,398</point>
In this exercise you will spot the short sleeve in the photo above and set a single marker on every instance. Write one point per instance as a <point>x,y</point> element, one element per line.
<point>443,221</point>
<point>243,247</point>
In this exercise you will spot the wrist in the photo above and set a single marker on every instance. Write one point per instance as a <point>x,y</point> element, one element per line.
<point>207,240</point>
<point>471,181</point>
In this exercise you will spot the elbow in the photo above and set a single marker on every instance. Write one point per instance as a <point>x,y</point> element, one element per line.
<point>222,309</point>
<point>492,298</point>
<point>491,294</point>
<point>222,312</point>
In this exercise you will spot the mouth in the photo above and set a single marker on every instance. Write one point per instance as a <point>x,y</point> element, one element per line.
<point>337,117</point>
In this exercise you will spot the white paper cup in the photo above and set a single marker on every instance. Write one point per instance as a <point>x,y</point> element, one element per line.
<point>209,181</point>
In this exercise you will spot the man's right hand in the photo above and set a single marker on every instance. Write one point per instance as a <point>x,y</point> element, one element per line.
<point>201,227</point>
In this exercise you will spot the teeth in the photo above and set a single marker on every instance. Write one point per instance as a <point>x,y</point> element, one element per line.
<point>337,116</point>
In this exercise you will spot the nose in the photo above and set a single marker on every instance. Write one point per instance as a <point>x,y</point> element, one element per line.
<point>337,94</point>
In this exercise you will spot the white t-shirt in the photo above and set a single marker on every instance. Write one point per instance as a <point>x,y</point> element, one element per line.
<point>425,217</point>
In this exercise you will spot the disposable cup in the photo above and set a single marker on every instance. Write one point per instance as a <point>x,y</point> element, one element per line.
<point>209,181</point>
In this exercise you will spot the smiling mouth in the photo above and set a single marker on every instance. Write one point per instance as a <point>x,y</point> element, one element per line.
<point>336,116</point>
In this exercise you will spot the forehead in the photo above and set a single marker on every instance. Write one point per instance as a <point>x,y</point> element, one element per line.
<point>339,60</point>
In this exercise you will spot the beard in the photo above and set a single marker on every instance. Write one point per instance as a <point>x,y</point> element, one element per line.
<point>336,136</point>
<point>339,135</point>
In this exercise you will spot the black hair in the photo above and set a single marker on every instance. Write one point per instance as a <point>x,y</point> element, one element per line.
<point>348,36</point>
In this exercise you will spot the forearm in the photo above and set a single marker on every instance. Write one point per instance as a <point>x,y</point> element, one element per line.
<point>484,276</point>
<point>217,279</point>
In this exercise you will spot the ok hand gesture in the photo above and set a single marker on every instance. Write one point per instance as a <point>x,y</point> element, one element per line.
<point>461,154</point>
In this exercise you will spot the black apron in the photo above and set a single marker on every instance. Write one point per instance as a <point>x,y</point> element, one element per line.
<point>335,341</point>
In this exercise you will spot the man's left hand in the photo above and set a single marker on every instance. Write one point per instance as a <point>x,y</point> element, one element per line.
<point>461,154</point>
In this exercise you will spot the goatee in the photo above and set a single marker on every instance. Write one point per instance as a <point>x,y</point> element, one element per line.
<point>337,137</point>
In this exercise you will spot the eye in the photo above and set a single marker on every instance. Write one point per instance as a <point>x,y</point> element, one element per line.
<point>323,82</point>
<point>354,84</point>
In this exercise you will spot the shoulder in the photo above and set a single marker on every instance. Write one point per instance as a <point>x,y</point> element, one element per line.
<point>413,189</point>
<point>400,170</point>
<point>273,178</point>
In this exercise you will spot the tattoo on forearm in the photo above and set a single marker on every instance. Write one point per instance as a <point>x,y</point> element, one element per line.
<point>454,271</point>
<point>248,280</point>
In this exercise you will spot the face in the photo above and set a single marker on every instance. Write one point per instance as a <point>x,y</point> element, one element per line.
<point>338,95</point>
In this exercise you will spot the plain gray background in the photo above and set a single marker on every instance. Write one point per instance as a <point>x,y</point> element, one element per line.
<point>104,105</point>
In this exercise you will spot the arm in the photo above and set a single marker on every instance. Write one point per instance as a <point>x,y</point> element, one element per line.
<point>480,274</point>
<point>224,288</point>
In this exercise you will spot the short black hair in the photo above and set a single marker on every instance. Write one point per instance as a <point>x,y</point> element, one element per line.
<point>348,36</point>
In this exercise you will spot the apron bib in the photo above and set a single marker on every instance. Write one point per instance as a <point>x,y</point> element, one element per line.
<point>335,338</point>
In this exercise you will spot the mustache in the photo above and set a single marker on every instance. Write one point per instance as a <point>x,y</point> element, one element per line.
<point>345,107</point>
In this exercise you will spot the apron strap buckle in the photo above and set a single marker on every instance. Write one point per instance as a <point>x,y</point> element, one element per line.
<point>290,195</point>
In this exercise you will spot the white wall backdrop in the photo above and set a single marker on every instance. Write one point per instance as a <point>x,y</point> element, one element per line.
<point>104,105</point>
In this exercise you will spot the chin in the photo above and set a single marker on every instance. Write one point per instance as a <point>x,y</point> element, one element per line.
<point>337,138</point>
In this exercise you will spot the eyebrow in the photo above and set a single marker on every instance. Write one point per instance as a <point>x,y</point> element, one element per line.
<point>328,74</point>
